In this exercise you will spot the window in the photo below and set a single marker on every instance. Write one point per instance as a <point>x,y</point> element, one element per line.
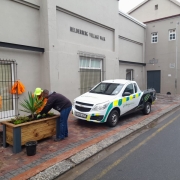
<point>107,88</point>
<point>172,34</point>
<point>8,102</point>
<point>129,89</point>
<point>154,37</point>
<point>90,73</point>
<point>129,74</point>
<point>156,7</point>
<point>135,88</point>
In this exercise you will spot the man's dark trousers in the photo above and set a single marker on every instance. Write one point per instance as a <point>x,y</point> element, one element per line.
<point>62,129</point>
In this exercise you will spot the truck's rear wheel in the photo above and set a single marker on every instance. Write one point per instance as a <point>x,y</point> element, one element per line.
<point>113,118</point>
<point>147,108</point>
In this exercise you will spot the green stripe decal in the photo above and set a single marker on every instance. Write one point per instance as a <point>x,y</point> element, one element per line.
<point>120,102</point>
<point>107,112</point>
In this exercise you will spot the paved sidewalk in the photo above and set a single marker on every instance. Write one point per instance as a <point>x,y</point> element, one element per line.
<point>85,139</point>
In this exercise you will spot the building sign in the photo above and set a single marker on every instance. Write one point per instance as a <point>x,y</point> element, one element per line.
<point>172,65</point>
<point>85,33</point>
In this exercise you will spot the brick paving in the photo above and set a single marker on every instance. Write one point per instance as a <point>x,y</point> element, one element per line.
<point>82,134</point>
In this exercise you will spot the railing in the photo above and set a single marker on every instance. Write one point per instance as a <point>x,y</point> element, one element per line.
<point>8,101</point>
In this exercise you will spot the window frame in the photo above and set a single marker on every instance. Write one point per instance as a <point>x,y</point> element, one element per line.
<point>88,66</point>
<point>10,113</point>
<point>90,62</point>
<point>131,71</point>
<point>172,34</point>
<point>127,86</point>
<point>154,36</point>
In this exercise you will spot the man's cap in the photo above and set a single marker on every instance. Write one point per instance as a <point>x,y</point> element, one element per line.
<point>38,91</point>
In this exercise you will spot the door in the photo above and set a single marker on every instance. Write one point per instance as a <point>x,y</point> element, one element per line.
<point>153,80</point>
<point>129,102</point>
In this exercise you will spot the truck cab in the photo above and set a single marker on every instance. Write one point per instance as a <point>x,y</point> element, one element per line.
<point>110,99</point>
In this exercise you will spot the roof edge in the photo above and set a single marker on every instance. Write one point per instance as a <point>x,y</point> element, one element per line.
<point>132,19</point>
<point>175,2</point>
<point>136,7</point>
<point>167,17</point>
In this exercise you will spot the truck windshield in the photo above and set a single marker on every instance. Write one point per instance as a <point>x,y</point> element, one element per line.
<point>107,88</point>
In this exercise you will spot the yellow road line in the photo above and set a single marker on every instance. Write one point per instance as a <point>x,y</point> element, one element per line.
<point>105,171</point>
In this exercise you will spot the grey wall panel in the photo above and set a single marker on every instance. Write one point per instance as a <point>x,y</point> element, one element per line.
<point>71,25</point>
<point>129,51</point>
<point>20,24</point>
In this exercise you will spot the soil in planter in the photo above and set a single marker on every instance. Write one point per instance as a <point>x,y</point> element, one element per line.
<point>24,119</point>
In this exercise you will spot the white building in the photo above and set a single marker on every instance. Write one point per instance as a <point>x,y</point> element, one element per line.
<point>66,46</point>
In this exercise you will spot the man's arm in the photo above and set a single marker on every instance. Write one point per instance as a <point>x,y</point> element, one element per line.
<point>48,106</point>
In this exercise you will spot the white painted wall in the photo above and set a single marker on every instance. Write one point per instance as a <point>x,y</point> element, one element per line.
<point>147,11</point>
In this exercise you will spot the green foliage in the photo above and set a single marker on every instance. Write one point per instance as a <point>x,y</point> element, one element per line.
<point>51,114</point>
<point>20,119</point>
<point>31,104</point>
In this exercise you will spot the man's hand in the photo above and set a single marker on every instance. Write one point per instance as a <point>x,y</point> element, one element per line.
<point>38,116</point>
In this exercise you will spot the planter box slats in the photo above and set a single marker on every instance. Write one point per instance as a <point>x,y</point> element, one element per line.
<point>35,129</point>
<point>39,136</point>
<point>18,135</point>
<point>9,129</point>
<point>9,138</point>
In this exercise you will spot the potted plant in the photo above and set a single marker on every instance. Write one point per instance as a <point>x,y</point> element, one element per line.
<point>22,129</point>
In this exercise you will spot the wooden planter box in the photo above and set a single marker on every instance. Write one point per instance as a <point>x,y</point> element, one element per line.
<point>18,135</point>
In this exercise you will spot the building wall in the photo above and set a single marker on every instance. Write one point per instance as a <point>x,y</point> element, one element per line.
<point>20,25</point>
<point>52,25</point>
<point>165,52</point>
<point>131,46</point>
<point>147,11</point>
<point>65,45</point>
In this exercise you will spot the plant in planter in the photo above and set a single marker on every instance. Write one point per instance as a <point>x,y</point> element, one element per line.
<point>31,105</point>
<point>22,129</point>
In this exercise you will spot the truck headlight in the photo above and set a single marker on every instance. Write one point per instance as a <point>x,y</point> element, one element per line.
<point>74,103</point>
<point>101,106</point>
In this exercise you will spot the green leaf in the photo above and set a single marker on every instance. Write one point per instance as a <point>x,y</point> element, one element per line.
<point>31,104</point>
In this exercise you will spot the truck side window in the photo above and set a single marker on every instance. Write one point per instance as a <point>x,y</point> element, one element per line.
<point>135,88</point>
<point>129,89</point>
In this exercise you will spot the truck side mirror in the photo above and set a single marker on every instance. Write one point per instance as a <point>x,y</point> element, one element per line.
<point>126,94</point>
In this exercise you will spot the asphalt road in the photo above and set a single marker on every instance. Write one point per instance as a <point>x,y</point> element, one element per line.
<point>153,155</point>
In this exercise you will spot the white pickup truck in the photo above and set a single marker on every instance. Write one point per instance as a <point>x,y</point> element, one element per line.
<point>110,99</point>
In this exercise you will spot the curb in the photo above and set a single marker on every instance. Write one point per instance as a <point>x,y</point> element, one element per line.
<point>65,165</point>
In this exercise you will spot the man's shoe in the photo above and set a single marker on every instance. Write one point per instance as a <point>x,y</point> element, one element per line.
<point>58,139</point>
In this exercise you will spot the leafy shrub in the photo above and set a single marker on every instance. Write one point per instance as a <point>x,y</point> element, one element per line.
<point>31,105</point>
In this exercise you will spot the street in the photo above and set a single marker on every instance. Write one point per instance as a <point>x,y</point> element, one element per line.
<point>153,155</point>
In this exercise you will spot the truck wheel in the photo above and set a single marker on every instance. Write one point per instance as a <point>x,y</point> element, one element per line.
<point>113,118</point>
<point>147,108</point>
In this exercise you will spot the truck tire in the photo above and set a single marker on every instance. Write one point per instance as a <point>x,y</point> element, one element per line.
<point>147,108</point>
<point>113,118</point>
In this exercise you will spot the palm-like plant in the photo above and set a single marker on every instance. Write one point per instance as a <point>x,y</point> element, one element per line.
<point>31,104</point>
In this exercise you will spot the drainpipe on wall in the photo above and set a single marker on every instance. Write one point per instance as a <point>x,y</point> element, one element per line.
<point>176,56</point>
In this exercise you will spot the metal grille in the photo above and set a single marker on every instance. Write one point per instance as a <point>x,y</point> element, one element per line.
<point>82,109</point>
<point>89,78</point>
<point>86,104</point>
<point>8,101</point>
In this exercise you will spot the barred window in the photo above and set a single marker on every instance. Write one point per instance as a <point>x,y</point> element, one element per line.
<point>8,101</point>
<point>90,73</point>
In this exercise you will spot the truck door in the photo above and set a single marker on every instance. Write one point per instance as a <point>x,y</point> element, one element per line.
<point>129,101</point>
